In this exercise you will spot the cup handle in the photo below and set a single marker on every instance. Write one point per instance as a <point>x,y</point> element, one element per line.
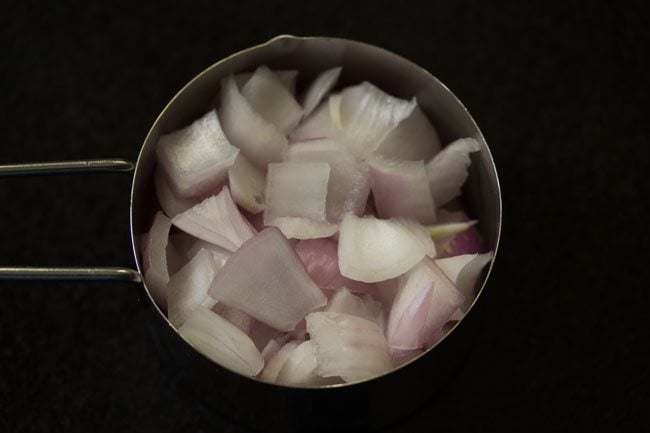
<point>68,273</point>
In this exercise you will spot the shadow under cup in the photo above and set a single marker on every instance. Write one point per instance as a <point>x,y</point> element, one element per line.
<point>374,402</point>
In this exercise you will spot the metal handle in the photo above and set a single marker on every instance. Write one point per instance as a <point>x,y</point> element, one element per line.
<point>56,273</point>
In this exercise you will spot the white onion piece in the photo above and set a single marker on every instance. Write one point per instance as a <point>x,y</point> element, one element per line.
<point>266,280</point>
<point>238,318</point>
<point>196,158</point>
<point>296,191</point>
<point>271,99</point>
<point>365,114</point>
<point>445,300</point>
<point>401,189</point>
<point>275,364</point>
<point>421,233</point>
<point>209,302</point>
<point>320,257</point>
<point>188,288</point>
<point>440,231</point>
<point>216,220</point>
<point>347,346</point>
<point>319,88</point>
<point>247,185</point>
<point>457,316</point>
<point>219,254</point>
<point>154,258</point>
<point>300,368</point>
<point>464,271</point>
<point>413,139</point>
<point>372,250</point>
<point>222,342</point>
<point>468,241</point>
<point>170,203</point>
<point>287,76</point>
<point>410,308</point>
<point>349,184</point>
<point>447,171</point>
<point>317,125</point>
<point>269,351</point>
<point>304,228</point>
<point>363,306</point>
<point>260,141</point>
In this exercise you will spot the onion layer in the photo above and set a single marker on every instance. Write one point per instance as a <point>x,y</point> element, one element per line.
<point>222,342</point>
<point>196,158</point>
<point>348,346</point>
<point>372,250</point>
<point>260,141</point>
<point>447,171</point>
<point>266,280</point>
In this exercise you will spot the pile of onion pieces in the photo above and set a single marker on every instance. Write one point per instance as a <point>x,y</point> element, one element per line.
<point>313,239</point>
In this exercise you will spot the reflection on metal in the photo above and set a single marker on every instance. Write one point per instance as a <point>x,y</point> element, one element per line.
<point>85,274</point>
<point>66,167</point>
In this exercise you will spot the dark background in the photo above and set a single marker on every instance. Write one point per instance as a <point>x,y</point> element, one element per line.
<point>561,93</point>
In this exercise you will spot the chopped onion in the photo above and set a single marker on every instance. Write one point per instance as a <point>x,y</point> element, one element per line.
<point>441,231</point>
<point>300,368</point>
<point>297,190</point>
<point>317,125</point>
<point>468,241</point>
<point>266,280</point>
<point>421,233</point>
<point>216,220</point>
<point>238,318</point>
<point>363,306</point>
<point>170,203</point>
<point>275,364</point>
<point>347,346</point>
<point>411,324</point>
<point>349,184</point>
<point>154,258</point>
<point>447,171</point>
<point>319,88</point>
<point>269,351</point>
<point>464,271</point>
<point>287,76</point>
<point>271,99</point>
<point>372,250</point>
<point>445,300</point>
<point>366,114</point>
<point>222,342</point>
<point>260,141</point>
<point>401,189</point>
<point>410,308</point>
<point>304,228</point>
<point>413,139</point>
<point>320,257</point>
<point>188,288</point>
<point>196,158</point>
<point>247,185</point>
<point>219,254</point>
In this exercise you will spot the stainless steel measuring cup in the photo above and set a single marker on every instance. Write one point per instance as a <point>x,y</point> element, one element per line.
<point>273,407</point>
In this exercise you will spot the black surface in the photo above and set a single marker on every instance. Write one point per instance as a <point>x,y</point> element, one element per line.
<point>561,94</point>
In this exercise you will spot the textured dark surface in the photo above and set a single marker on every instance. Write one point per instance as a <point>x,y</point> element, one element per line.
<point>561,94</point>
